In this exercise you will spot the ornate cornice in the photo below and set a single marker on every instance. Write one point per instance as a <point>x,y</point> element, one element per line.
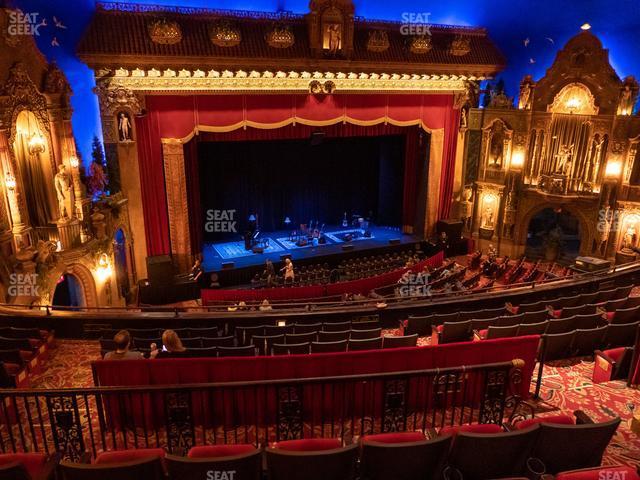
<point>212,81</point>
<point>114,96</point>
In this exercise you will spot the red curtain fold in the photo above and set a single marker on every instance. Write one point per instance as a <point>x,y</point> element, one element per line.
<point>175,116</point>
<point>192,174</point>
<point>410,191</point>
<point>452,125</point>
<point>152,186</point>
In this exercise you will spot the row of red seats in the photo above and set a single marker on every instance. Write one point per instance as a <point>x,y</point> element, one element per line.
<point>529,447</point>
<point>22,351</point>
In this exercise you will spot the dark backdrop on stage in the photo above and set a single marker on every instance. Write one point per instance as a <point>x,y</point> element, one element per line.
<point>304,180</point>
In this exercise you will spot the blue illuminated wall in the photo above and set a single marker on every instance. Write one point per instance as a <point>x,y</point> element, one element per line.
<point>547,24</point>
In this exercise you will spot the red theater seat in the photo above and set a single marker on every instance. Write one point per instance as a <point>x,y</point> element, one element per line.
<point>471,428</point>
<point>37,465</point>
<point>611,364</point>
<point>309,444</point>
<point>396,437</point>
<point>131,455</point>
<point>555,419</point>
<point>600,473</point>
<point>216,451</point>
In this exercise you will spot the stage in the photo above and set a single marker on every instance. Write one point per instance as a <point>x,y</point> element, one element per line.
<point>219,253</point>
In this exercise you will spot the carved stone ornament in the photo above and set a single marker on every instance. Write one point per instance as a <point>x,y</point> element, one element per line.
<point>378,41</point>
<point>460,46</point>
<point>317,87</point>
<point>225,34</point>
<point>574,98</point>
<point>115,97</point>
<point>165,32</point>
<point>55,81</point>
<point>280,36</point>
<point>420,44</point>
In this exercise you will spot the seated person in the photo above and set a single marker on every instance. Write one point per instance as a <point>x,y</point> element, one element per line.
<point>265,306</point>
<point>122,339</point>
<point>172,347</point>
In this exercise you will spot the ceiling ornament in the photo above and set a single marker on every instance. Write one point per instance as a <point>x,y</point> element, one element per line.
<point>225,34</point>
<point>280,36</point>
<point>460,46</point>
<point>165,32</point>
<point>378,41</point>
<point>420,44</point>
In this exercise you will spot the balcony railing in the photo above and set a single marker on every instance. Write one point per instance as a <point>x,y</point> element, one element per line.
<point>75,423</point>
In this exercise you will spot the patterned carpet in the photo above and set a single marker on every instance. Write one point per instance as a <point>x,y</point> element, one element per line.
<point>566,387</point>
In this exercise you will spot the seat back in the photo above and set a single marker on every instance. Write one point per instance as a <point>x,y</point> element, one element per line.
<point>247,466</point>
<point>535,316</point>
<point>365,344</point>
<point>245,351</point>
<point>306,328</point>
<point>556,346</point>
<point>586,341</point>
<point>494,455</point>
<point>335,464</point>
<point>193,332</point>
<point>270,330</point>
<point>615,304</point>
<point>327,347</point>
<point>208,342</point>
<point>478,324</point>
<point>591,320</point>
<point>455,332</point>
<point>365,324</point>
<point>411,460</point>
<point>622,335</point>
<point>626,315</point>
<point>509,320</point>
<point>336,326</point>
<point>147,469</point>
<point>605,295</point>
<point>532,328</point>
<point>502,332</point>
<point>291,348</point>
<point>365,334</point>
<point>334,336</point>
<point>532,307</point>
<point>398,342</point>
<point>584,309</point>
<point>263,343</point>
<point>623,292</point>
<point>192,342</point>
<point>301,337</point>
<point>569,447</point>
<point>203,352</point>
<point>484,313</point>
<point>561,325</point>
<point>244,334</point>
<point>14,471</point>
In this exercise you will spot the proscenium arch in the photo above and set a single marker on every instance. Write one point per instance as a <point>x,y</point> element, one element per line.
<point>522,227</point>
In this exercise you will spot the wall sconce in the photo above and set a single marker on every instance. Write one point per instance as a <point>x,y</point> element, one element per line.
<point>36,144</point>
<point>104,269</point>
<point>517,159</point>
<point>74,162</point>
<point>613,169</point>
<point>10,182</point>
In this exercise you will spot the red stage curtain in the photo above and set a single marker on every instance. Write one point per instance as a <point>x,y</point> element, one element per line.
<point>448,162</point>
<point>192,174</point>
<point>178,117</point>
<point>154,198</point>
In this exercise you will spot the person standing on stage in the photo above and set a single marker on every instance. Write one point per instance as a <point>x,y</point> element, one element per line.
<point>288,271</point>
<point>269,273</point>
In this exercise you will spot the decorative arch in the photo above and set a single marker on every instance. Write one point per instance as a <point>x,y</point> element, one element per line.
<point>497,142</point>
<point>574,98</point>
<point>87,282</point>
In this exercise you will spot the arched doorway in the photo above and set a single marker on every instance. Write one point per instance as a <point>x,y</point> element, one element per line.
<point>121,263</point>
<point>69,292</point>
<point>553,234</point>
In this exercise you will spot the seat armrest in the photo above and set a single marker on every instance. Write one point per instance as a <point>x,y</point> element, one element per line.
<point>604,356</point>
<point>510,308</point>
<point>582,418</point>
<point>477,336</point>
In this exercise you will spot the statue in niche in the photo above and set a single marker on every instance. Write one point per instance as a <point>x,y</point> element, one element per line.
<point>604,227</point>
<point>333,36</point>
<point>496,147</point>
<point>62,183</point>
<point>563,159</point>
<point>630,238</point>
<point>487,218</point>
<point>628,96</point>
<point>463,118</point>
<point>124,127</point>
<point>598,143</point>
<point>466,208</point>
<point>524,102</point>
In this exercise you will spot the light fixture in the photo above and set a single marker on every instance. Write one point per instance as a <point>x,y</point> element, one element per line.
<point>36,144</point>
<point>252,218</point>
<point>517,159</point>
<point>10,182</point>
<point>74,162</point>
<point>613,169</point>
<point>287,220</point>
<point>585,26</point>
<point>104,267</point>
<point>574,103</point>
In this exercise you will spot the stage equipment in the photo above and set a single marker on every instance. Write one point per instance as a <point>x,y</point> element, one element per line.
<point>160,270</point>
<point>453,228</point>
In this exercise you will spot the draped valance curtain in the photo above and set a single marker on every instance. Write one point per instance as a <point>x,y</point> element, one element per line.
<point>182,117</point>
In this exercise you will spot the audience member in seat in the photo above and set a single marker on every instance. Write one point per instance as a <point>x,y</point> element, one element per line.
<point>173,347</point>
<point>122,340</point>
<point>265,306</point>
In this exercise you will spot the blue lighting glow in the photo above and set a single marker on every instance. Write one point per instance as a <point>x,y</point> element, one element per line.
<point>546,24</point>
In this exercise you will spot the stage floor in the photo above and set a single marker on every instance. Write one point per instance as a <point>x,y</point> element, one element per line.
<point>215,254</point>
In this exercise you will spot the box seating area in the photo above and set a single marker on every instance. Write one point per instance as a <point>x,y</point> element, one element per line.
<point>561,447</point>
<point>22,351</point>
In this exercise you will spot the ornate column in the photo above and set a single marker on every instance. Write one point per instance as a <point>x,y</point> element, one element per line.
<point>177,205</point>
<point>17,208</point>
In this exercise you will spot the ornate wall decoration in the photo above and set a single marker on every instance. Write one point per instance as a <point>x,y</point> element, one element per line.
<point>115,97</point>
<point>574,98</point>
<point>378,41</point>
<point>420,44</point>
<point>225,34</point>
<point>331,27</point>
<point>165,32</point>
<point>55,81</point>
<point>460,46</point>
<point>526,93</point>
<point>280,36</point>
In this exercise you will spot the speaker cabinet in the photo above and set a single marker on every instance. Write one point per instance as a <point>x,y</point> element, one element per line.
<point>453,228</point>
<point>160,270</point>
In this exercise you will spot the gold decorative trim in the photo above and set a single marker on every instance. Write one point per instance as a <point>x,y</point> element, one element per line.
<point>154,80</point>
